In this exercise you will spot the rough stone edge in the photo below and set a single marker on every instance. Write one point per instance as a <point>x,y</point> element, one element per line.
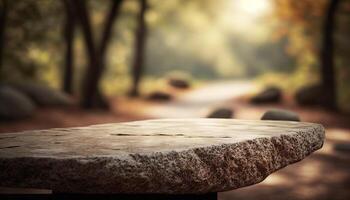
<point>197,170</point>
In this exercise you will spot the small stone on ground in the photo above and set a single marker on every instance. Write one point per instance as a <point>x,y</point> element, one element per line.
<point>159,96</point>
<point>280,114</point>
<point>271,94</point>
<point>179,83</point>
<point>221,113</point>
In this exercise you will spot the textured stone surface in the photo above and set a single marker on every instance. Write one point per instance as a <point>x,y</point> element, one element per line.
<point>155,156</point>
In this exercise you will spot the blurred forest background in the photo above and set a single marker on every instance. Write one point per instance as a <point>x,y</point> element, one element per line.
<point>270,41</point>
<point>67,63</point>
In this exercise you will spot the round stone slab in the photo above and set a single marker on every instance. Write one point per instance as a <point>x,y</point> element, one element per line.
<point>167,156</point>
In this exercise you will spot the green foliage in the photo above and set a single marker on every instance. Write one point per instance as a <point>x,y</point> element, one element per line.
<point>342,54</point>
<point>301,24</point>
<point>31,42</point>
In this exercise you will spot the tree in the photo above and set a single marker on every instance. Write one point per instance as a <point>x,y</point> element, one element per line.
<point>305,15</point>
<point>30,26</point>
<point>91,96</point>
<point>3,19</point>
<point>68,33</point>
<point>327,57</point>
<point>140,37</point>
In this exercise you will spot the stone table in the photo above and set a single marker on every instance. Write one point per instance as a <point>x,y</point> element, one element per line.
<point>165,156</point>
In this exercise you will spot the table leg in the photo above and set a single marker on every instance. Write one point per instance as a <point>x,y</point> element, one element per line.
<point>208,196</point>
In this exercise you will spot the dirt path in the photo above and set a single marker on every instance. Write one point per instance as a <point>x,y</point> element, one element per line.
<point>198,102</point>
<point>323,175</point>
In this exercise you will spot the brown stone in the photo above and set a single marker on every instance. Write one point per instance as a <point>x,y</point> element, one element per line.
<point>169,156</point>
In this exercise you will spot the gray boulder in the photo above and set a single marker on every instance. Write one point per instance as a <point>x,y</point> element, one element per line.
<point>309,95</point>
<point>271,94</point>
<point>279,114</point>
<point>14,104</point>
<point>43,95</point>
<point>221,113</point>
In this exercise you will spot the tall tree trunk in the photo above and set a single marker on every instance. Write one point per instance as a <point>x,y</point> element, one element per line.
<point>103,47</point>
<point>91,95</point>
<point>108,27</point>
<point>327,57</point>
<point>140,39</point>
<point>89,89</point>
<point>3,19</point>
<point>69,28</point>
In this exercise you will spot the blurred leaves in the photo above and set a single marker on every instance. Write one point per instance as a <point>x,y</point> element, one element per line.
<point>202,38</point>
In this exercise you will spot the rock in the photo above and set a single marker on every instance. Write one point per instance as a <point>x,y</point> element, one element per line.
<point>43,95</point>
<point>309,95</point>
<point>167,156</point>
<point>159,96</point>
<point>269,95</point>
<point>342,147</point>
<point>221,113</point>
<point>279,114</point>
<point>179,83</point>
<point>14,105</point>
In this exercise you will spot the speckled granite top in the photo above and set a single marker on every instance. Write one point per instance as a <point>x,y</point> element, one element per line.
<point>169,156</point>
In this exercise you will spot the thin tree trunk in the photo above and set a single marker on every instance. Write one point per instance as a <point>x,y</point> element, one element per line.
<point>100,101</point>
<point>89,90</point>
<point>103,47</point>
<point>91,95</point>
<point>3,19</point>
<point>69,28</point>
<point>140,39</point>
<point>327,57</point>
<point>108,27</point>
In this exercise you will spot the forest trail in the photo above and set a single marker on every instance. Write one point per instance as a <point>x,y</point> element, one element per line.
<point>198,102</point>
